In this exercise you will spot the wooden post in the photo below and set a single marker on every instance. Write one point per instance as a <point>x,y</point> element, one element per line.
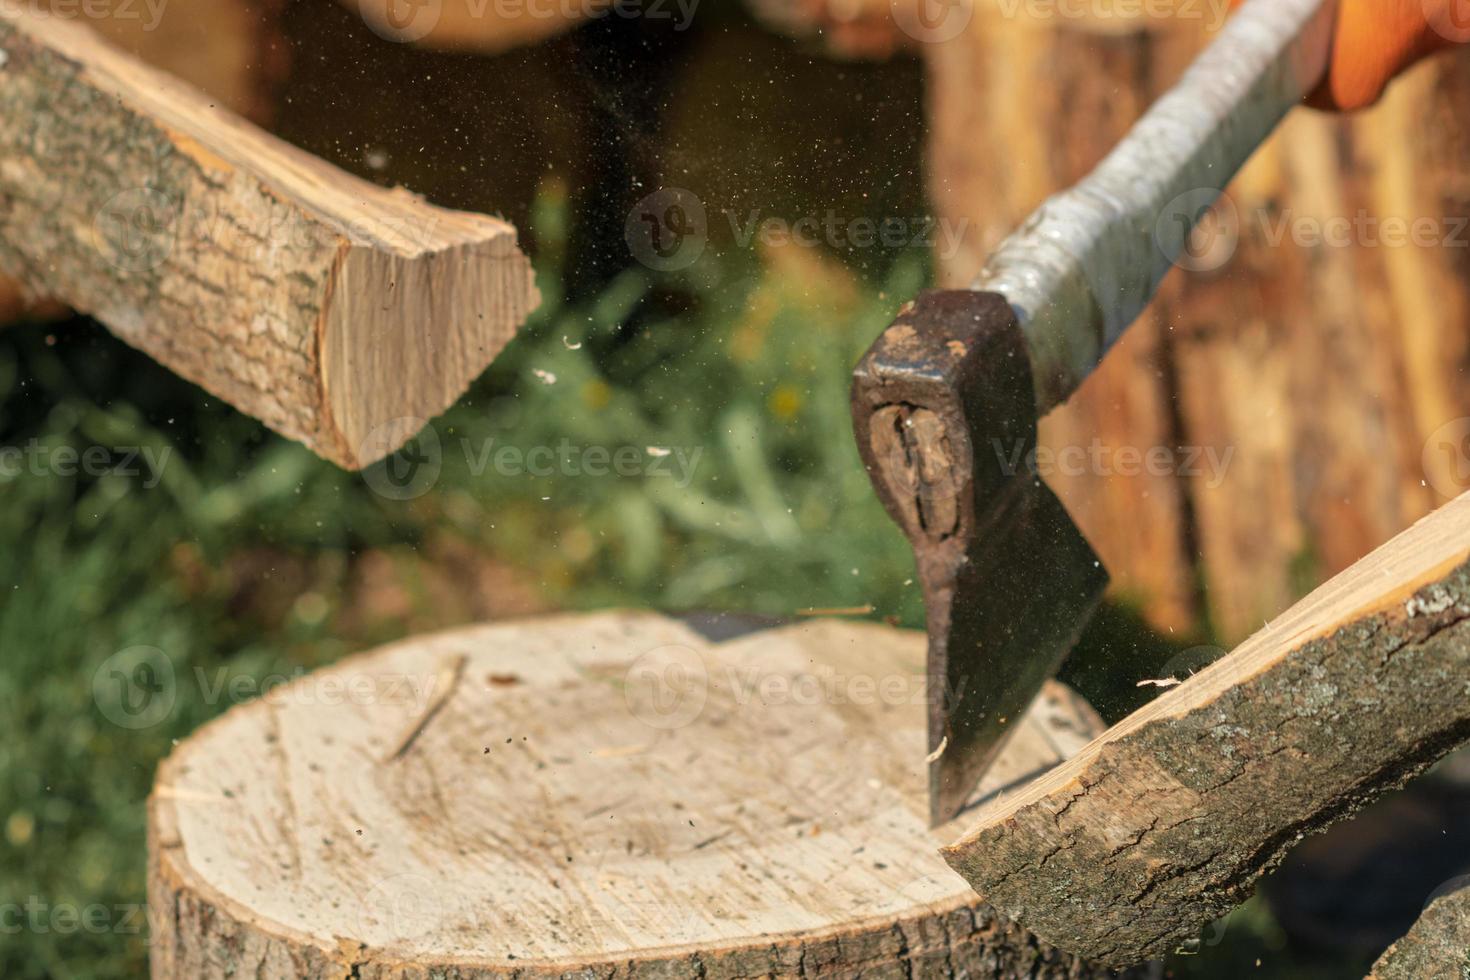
<point>1305,364</point>
<point>339,313</point>
<point>1168,819</point>
<point>587,795</point>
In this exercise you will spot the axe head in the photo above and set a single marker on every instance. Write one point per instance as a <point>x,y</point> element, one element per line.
<point>944,409</point>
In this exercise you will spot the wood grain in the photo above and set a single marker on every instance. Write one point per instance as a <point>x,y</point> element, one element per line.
<point>1167,820</point>
<point>340,314</point>
<point>597,795</point>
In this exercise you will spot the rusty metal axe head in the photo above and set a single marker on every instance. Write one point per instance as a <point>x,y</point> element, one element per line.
<point>945,415</point>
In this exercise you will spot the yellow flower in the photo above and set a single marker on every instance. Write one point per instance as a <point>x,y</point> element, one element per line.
<point>784,402</point>
<point>19,828</point>
<point>596,394</point>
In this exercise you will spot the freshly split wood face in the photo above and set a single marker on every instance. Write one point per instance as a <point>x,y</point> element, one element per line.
<point>339,313</point>
<point>1166,821</point>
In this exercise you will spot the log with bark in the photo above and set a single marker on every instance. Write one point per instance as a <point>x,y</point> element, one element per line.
<point>1169,818</point>
<point>232,50</point>
<point>586,795</point>
<point>1309,362</point>
<point>340,314</point>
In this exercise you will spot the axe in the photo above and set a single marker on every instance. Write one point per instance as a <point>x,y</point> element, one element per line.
<point>945,403</point>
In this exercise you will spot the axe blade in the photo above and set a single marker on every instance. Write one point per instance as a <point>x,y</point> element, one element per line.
<point>1021,599</point>
<point>944,408</point>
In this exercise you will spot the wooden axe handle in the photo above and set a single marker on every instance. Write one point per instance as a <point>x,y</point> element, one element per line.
<point>1087,262</point>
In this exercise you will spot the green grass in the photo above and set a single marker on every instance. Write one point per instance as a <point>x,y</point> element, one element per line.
<point>249,556</point>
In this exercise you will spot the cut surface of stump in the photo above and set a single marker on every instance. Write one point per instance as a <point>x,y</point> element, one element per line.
<point>601,795</point>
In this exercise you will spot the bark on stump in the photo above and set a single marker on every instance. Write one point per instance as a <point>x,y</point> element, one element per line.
<point>1319,341</point>
<point>592,795</point>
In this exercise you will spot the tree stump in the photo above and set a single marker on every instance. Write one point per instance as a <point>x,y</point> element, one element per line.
<point>585,796</point>
<point>1316,347</point>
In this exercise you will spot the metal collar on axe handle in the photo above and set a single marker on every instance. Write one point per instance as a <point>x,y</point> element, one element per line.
<point>945,403</point>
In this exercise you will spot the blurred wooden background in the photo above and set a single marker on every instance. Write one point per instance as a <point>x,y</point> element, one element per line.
<point>1323,370</point>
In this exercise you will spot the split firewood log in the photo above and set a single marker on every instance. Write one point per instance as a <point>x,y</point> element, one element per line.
<point>340,314</point>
